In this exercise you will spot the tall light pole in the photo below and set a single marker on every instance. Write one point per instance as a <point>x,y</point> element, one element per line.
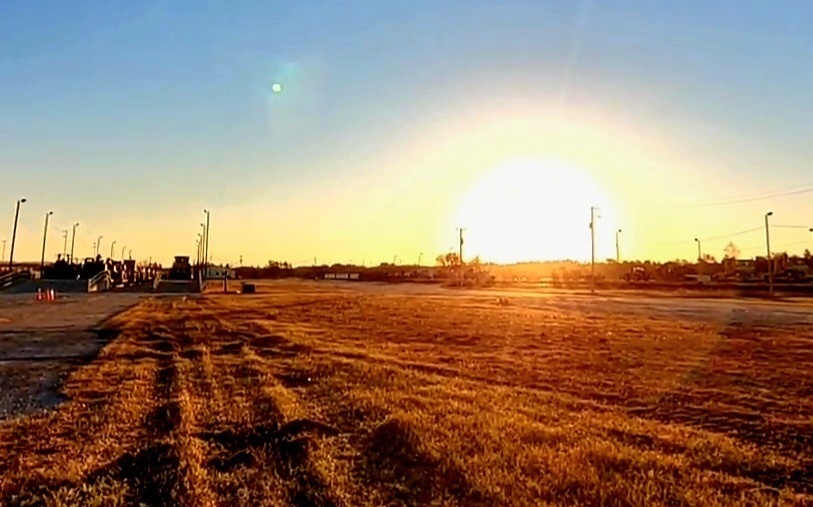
<point>206,241</point>
<point>770,260</point>
<point>112,246</point>
<point>202,241</point>
<point>617,247</point>
<point>699,256</point>
<point>14,233</point>
<point>3,258</point>
<point>122,252</point>
<point>44,237</point>
<point>98,245</point>
<point>420,256</point>
<point>130,254</point>
<point>73,239</point>
<point>199,243</point>
<point>64,242</point>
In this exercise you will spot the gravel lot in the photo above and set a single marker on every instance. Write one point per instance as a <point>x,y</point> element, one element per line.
<point>41,342</point>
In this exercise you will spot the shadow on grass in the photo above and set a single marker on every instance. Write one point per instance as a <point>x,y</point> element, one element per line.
<point>392,461</point>
<point>286,447</point>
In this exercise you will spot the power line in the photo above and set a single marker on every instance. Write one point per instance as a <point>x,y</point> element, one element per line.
<point>758,197</point>
<point>732,234</point>
<point>793,226</point>
<point>711,238</point>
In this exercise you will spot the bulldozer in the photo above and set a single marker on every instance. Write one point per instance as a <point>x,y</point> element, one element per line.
<point>181,269</point>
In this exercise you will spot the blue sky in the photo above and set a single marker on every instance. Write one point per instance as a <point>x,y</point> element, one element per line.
<point>130,117</point>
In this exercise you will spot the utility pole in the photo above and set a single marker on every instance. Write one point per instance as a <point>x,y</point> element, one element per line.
<point>73,239</point>
<point>65,243</point>
<point>44,237</point>
<point>592,249</point>
<point>460,244</point>
<point>617,248</point>
<point>770,260</point>
<point>14,233</point>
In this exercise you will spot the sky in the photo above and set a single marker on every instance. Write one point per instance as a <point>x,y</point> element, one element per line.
<point>399,122</point>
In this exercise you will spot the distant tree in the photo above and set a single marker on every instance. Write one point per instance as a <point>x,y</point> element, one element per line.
<point>731,251</point>
<point>449,260</point>
<point>708,258</point>
<point>807,254</point>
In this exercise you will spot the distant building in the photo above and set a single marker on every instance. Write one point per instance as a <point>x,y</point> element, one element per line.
<point>217,272</point>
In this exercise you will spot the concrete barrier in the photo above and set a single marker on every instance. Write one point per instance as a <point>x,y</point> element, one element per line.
<point>177,287</point>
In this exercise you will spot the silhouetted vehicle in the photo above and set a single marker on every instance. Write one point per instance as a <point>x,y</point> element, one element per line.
<point>181,269</point>
<point>637,274</point>
<point>91,268</point>
<point>61,270</point>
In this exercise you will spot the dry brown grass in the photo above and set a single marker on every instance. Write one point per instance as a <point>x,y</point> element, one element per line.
<point>325,397</point>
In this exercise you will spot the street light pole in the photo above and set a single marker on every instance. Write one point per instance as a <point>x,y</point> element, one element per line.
<point>699,256</point>
<point>44,237</point>
<point>202,241</point>
<point>420,256</point>
<point>98,245</point>
<point>617,247</point>
<point>770,260</point>
<point>65,243</point>
<point>122,252</point>
<point>130,254</point>
<point>112,246</point>
<point>206,241</point>
<point>14,233</point>
<point>3,258</point>
<point>73,239</point>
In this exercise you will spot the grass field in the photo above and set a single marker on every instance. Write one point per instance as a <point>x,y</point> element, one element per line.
<point>330,395</point>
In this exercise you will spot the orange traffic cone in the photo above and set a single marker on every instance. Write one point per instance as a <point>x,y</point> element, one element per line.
<point>39,294</point>
<point>51,295</point>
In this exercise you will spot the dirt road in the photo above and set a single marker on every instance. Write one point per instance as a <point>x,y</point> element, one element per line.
<point>42,342</point>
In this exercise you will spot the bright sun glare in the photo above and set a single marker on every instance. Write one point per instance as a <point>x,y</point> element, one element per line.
<point>532,210</point>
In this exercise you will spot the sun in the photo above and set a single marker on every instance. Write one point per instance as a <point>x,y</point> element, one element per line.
<point>533,210</point>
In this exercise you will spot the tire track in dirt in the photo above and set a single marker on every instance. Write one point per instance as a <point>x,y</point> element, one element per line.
<point>391,466</point>
<point>272,443</point>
